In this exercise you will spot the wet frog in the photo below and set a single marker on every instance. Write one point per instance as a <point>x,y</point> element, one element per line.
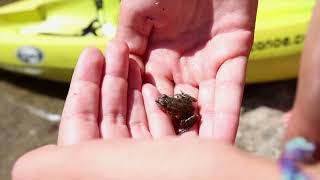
<point>181,109</point>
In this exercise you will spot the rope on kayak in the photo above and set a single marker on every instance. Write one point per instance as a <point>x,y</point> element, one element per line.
<point>96,23</point>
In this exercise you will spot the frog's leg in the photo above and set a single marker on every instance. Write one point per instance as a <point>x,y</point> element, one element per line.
<point>189,122</point>
<point>188,97</point>
<point>186,124</point>
<point>181,131</point>
<point>176,124</point>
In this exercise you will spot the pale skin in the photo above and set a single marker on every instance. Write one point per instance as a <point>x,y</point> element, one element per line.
<point>198,47</point>
<point>194,53</point>
<point>110,138</point>
<point>84,152</point>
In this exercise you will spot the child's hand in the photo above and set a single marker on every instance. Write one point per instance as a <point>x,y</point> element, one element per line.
<point>89,146</point>
<point>197,46</point>
<point>104,100</point>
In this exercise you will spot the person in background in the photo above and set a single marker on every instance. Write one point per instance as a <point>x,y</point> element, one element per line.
<point>105,134</point>
<point>304,119</point>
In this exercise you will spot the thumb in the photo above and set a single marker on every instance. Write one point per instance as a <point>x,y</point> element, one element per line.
<point>136,21</point>
<point>134,27</point>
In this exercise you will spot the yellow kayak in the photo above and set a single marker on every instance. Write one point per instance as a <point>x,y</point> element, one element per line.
<point>44,38</point>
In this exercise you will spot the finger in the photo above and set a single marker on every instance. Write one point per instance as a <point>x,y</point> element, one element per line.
<point>80,114</point>
<point>228,97</point>
<point>147,160</point>
<point>136,21</point>
<point>139,61</point>
<point>114,91</point>
<point>137,118</point>
<point>206,106</point>
<point>160,123</point>
<point>134,27</point>
<point>192,91</point>
<point>164,85</point>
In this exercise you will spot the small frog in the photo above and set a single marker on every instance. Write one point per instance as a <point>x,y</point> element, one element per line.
<point>181,109</point>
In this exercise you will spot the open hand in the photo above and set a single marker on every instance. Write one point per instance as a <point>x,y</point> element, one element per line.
<point>199,47</point>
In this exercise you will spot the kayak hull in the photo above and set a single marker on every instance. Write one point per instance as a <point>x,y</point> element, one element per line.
<point>275,56</point>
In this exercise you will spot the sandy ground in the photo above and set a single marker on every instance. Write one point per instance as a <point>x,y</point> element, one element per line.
<point>30,108</point>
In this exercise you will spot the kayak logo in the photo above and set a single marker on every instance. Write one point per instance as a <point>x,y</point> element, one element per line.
<point>278,42</point>
<point>30,55</point>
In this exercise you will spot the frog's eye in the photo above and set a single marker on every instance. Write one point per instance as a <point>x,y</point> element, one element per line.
<point>163,96</point>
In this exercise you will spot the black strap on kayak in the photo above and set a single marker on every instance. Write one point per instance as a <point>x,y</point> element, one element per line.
<point>91,28</point>
<point>99,4</point>
<point>94,25</point>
